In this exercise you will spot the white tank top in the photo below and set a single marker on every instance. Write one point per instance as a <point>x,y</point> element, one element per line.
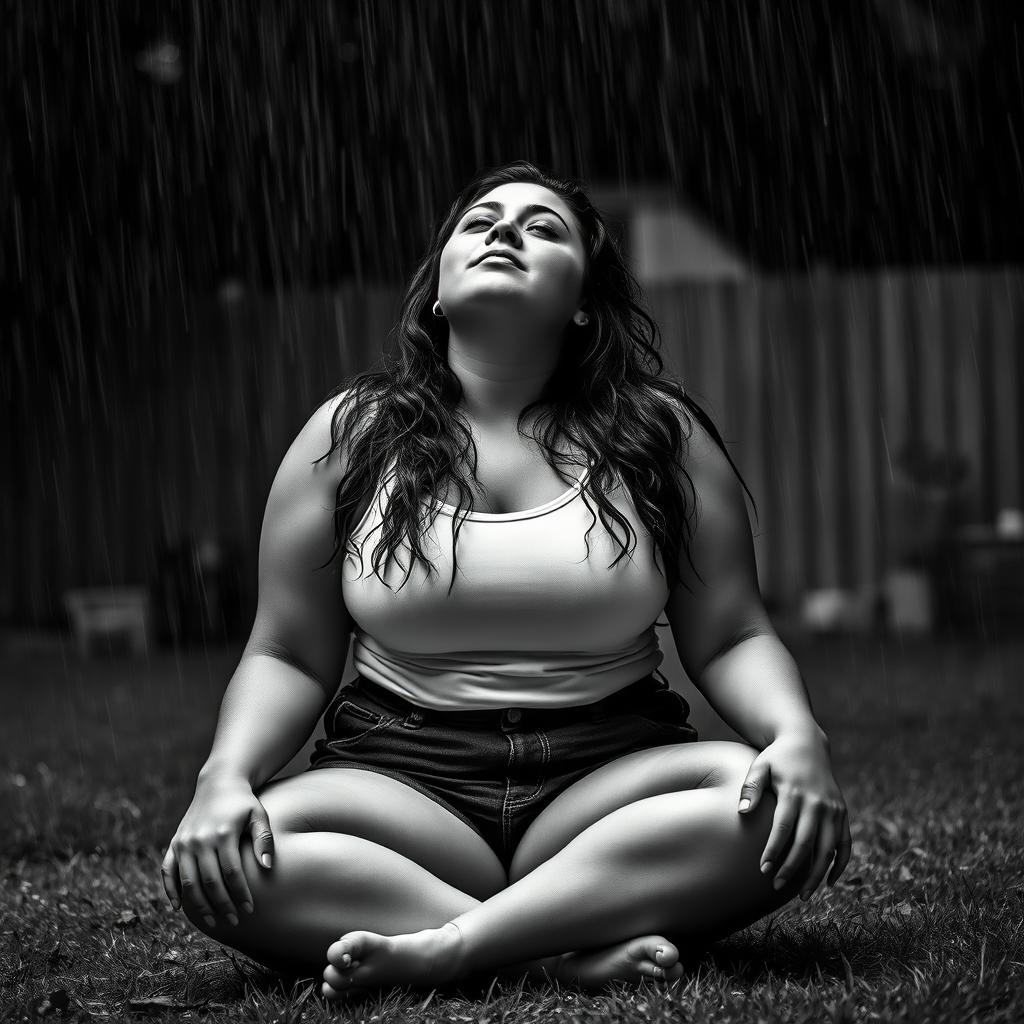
<point>531,620</point>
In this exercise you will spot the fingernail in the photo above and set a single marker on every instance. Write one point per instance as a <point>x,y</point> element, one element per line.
<point>660,952</point>
<point>266,860</point>
<point>805,896</point>
<point>779,882</point>
<point>766,867</point>
<point>176,904</point>
<point>233,920</point>
<point>744,804</point>
<point>210,922</point>
<point>247,907</point>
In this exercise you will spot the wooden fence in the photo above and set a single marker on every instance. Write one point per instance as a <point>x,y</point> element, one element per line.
<point>815,383</point>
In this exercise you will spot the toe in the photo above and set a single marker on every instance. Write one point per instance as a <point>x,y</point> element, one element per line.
<point>338,980</point>
<point>653,949</point>
<point>338,951</point>
<point>345,993</point>
<point>664,953</point>
<point>668,975</point>
<point>347,950</point>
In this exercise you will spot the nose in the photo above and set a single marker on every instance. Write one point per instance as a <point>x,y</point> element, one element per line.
<point>503,229</point>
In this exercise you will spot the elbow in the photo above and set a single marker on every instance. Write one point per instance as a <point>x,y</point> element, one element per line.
<point>266,648</point>
<point>735,639</point>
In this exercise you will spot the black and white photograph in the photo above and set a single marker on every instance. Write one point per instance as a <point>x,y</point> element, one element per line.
<point>512,511</point>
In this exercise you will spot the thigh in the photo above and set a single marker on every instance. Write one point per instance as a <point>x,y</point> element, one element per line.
<point>386,811</point>
<point>635,776</point>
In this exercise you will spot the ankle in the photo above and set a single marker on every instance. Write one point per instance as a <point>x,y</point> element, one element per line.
<point>455,947</point>
<point>544,969</point>
<point>552,966</point>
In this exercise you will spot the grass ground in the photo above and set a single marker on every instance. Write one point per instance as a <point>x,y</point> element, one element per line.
<point>98,763</point>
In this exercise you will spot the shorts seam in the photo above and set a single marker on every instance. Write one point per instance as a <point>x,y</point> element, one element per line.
<point>506,817</point>
<point>545,758</point>
<point>384,723</point>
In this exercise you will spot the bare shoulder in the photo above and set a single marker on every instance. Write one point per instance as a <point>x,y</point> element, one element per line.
<point>313,457</point>
<point>712,476</point>
<point>314,440</point>
<point>717,600</point>
<point>301,614</point>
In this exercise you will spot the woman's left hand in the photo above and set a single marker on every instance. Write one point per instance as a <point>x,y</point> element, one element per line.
<point>810,821</point>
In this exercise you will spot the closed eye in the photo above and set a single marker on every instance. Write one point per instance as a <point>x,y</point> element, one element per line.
<point>487,223</point>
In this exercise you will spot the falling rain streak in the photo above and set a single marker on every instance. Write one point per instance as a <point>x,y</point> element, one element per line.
<point>163,153</point>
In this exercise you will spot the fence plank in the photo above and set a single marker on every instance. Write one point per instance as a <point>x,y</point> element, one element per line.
<point>860,494</point>
<point>789,526</point>
<point>926,295</point>
<point>816,383</point>
<point>749,396</point>
<point>1005,392</point>
<point>823,428</point>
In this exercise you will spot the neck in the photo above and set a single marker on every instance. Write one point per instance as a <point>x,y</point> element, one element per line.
<point>501,374</point>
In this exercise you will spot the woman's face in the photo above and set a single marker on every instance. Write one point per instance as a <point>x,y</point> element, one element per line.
<point>538,228</point>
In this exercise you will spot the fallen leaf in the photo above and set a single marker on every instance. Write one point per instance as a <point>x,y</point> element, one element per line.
<point>127,918</point>
<point>56,1002</point>
<point>889,826</point>
<point>157,1003</point>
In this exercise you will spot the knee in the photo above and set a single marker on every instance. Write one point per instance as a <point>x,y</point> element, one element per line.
<point>216,909</point>
<point>730,765</point>
<point>749,831</point>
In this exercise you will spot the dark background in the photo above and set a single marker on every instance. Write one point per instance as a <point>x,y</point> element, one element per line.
<point>304,143</point>
<point>208,211</point>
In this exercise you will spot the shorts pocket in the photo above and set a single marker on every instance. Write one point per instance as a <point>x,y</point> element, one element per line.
<point>668,710</point>
<point>349,722</point>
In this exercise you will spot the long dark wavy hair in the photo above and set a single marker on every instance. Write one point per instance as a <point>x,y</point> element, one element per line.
<point>607,396</point>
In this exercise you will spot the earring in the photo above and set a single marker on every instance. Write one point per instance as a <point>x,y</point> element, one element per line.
<point>437,310</point>
<point>581,319</point>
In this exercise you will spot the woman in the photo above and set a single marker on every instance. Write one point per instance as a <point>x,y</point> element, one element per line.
<point>506,786</point>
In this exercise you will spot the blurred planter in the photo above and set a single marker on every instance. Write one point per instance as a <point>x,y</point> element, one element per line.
<point>919,519</point>
<point>909,602</point>
<point>923,503</point>
<point>199,591</point>
<point>981,580</point>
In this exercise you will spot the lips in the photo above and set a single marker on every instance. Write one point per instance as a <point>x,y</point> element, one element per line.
<point>511,257</point>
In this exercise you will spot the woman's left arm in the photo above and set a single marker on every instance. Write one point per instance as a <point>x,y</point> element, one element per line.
<point>731,652</point>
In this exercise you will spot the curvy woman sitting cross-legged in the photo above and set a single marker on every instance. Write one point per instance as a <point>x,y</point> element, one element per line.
<point>506,786</point>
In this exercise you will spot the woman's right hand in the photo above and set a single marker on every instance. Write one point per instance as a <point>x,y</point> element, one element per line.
<point>203,864</point>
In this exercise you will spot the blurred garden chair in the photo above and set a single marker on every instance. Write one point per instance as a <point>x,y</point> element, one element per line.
<point>106,612</point>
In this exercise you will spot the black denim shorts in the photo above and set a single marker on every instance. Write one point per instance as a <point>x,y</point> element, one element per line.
<point>496,769</point>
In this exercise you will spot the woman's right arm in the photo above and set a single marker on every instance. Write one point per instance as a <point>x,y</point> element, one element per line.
<point>288,672</point>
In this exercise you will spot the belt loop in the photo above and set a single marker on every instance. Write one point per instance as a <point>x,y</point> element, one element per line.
<point>413,720</point>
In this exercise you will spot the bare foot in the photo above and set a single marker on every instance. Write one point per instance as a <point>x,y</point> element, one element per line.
<point>625,961</point>
<point>363,960</point>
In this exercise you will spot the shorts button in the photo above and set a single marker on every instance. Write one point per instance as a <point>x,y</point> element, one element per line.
<point>514,715</point>
<point>416,717</point>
